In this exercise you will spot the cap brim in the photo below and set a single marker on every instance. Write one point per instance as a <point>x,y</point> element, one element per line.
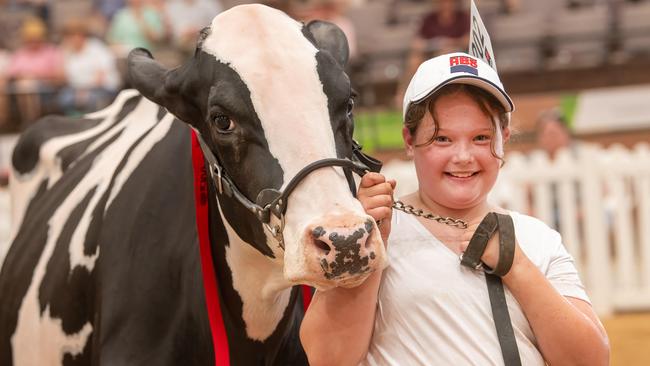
<point>477,81</point>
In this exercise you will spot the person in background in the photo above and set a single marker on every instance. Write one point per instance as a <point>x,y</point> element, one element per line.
<point>186,18</point>
<point>35,71</point>
<point>425,308</point>
<point>135,25</point>
<point>333,11</point>
<point>90,69</point>
<point>552,133</point>
<point>443,30</point>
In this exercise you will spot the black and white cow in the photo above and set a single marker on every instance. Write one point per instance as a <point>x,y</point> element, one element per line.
<point>104,264</point>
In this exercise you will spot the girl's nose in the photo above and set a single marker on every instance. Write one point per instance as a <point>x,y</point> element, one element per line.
<point>462,154</point>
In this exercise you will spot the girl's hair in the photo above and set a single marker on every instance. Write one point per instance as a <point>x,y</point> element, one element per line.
<point>486,101</point>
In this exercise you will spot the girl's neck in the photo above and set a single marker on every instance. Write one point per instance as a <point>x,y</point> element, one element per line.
<point>470,214</point>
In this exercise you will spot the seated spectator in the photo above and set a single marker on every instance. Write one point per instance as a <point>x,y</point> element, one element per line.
<point>135,25</point>
<point>333,11</point>
<point>35,71</point>
<point>443,30</point>
<point>90,69</point>
<point>187,17</point>
<point>36,59</point>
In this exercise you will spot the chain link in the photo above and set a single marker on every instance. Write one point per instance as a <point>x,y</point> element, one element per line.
<point>399,205</point>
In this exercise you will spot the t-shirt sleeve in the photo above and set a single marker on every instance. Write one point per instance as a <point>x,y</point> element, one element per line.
<point>562,272</point>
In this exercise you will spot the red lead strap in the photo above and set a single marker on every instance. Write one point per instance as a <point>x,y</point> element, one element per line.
<point>219,338</point>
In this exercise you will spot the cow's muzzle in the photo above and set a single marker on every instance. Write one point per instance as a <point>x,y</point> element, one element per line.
<point>339,251</point>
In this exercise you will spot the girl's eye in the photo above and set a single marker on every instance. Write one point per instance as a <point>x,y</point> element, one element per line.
<point>224,123</point>
<point>482,138</point>
<point>441,139</point>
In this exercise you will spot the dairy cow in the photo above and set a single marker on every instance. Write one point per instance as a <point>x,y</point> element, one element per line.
<point>104,264</point>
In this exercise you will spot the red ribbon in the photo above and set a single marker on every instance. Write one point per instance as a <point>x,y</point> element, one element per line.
<point>210,286</point>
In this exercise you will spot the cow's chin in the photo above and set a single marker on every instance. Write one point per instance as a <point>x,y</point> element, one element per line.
<point>323,284</point>
<point>352,281</point>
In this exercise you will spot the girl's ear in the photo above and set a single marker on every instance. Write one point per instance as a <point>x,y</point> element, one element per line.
<point>408,141</point>
<point>506,134</point>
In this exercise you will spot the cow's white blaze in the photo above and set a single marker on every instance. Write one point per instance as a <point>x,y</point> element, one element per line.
<point>292,107</point>
<point>39,338</point>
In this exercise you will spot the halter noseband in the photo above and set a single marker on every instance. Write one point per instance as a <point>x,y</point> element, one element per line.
<point>273,203</point>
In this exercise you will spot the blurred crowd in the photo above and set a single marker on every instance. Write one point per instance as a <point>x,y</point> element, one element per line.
<point>77,65</point>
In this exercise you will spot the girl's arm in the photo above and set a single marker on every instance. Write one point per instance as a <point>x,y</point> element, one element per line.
<point>338,325</point>
<point>567,330</point>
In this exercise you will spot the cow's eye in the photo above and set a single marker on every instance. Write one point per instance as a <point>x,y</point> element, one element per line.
<point>224,123</point>
<point>350,107</point>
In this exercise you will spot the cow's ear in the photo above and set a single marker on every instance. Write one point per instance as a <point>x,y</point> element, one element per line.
<point>159,84</point>
<point>330,37</point>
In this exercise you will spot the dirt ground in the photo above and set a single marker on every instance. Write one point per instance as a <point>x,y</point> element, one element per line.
<point>629,336</point>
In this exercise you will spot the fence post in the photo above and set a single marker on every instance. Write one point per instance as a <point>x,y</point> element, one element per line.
<point>567,169</point>
<point>621,222</point>
<point>642,190</point>
<point>599,273</point>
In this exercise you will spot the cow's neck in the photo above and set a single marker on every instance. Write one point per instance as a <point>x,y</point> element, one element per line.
<point>257,279</point>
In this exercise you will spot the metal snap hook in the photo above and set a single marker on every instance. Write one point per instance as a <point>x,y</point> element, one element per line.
<point>276,230</point>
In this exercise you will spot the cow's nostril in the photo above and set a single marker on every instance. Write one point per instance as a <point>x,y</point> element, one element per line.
<point>318,232</point>
<point>322,246</point>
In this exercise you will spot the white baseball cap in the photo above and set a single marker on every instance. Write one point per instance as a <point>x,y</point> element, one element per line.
<point>454,68</point>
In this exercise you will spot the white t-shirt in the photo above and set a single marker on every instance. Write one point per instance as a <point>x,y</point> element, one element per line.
<point>433,311</point>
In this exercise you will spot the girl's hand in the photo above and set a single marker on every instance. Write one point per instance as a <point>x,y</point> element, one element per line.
<point>491,254</point>
<point>376,196</point>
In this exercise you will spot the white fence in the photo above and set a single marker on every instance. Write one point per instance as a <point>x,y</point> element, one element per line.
<point>599,200</point>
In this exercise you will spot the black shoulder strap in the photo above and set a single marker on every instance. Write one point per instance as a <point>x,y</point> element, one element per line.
<point>502,322</point>
<point>472,259</point>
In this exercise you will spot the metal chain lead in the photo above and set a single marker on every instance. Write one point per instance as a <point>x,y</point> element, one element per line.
<point>399,205</point>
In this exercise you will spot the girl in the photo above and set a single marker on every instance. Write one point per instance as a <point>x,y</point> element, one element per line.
<point>424,308</point>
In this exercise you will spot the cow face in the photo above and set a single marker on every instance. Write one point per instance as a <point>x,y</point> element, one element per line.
<point>270,96</point>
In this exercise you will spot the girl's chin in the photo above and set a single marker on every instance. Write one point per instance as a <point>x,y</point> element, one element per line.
<point>454,200</point>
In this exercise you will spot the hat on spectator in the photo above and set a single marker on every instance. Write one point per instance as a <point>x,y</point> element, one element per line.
<point>454,68</point>
<point>33,29</point>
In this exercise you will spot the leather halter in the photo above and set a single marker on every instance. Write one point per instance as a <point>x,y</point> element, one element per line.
<point>272,203</point>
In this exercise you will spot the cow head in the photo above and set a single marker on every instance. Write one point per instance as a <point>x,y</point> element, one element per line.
<point>269,95</point>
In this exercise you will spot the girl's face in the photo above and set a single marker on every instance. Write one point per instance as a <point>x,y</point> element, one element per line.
<point>457,170</point>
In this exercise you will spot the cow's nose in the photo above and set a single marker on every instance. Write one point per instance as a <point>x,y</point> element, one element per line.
<point>341,239</point>
<point>344,251</point>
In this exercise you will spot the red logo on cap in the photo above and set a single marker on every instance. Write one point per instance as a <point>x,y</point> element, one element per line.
<point>463,60</point>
